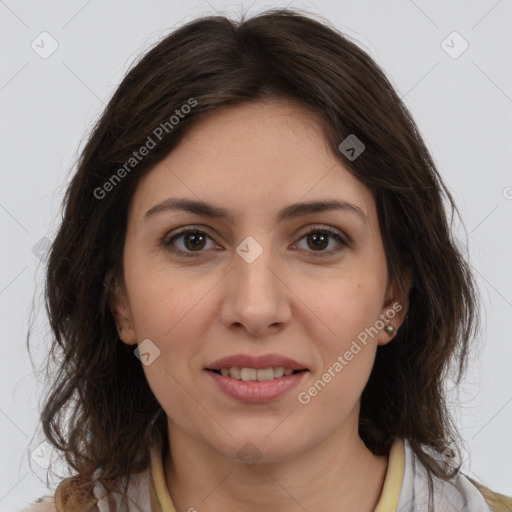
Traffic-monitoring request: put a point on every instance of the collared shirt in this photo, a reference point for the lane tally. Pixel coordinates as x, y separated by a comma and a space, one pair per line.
405, 489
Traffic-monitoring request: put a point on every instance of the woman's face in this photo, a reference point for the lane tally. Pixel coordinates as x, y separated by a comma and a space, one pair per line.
255, 283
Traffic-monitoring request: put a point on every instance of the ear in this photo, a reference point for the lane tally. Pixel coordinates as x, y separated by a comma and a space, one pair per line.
121, 311
396, 305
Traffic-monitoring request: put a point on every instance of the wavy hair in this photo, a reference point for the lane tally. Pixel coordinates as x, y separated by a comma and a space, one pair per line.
100, 412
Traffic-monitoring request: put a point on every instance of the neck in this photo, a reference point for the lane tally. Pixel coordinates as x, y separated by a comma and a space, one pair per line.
338, 474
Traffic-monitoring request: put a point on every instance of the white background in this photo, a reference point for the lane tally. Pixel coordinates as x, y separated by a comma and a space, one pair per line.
463, 107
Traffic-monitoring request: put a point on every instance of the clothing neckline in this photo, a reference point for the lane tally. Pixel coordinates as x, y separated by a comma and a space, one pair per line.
388, 500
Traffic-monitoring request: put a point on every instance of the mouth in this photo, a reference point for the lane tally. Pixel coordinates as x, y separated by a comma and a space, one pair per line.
250, 367
251, 385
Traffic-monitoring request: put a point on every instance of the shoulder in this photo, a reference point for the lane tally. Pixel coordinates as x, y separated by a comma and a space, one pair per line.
73, 494
496, 501
43, 504
70, 495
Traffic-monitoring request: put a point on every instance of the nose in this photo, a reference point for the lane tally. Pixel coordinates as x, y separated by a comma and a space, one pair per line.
256, 297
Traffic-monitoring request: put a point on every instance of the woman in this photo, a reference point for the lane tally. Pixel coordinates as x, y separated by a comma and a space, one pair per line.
254, 285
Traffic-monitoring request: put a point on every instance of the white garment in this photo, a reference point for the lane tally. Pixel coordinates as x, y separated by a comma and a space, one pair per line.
138, 494
460, 495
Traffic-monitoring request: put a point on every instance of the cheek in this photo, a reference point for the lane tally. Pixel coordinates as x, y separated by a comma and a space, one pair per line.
345, 336
174, 317
346, 346
349, 304
165, 300
175, 320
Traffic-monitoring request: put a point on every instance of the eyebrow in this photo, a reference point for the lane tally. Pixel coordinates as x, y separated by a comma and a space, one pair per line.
289, 212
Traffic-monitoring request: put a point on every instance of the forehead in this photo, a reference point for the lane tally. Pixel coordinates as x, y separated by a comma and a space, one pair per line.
251, 157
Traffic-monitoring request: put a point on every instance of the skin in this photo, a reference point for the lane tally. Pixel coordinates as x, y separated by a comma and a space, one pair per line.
255, 159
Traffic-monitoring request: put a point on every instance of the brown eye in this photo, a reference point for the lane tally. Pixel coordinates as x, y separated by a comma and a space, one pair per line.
193, 241
318, 240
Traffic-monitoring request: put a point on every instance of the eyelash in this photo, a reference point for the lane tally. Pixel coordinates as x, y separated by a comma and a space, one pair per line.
317, 254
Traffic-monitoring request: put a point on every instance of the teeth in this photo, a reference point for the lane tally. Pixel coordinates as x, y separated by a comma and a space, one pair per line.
252, 374
248, 374
278, 372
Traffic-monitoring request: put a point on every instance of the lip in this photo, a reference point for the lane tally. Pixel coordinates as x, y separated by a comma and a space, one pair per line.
255, 391
257, 362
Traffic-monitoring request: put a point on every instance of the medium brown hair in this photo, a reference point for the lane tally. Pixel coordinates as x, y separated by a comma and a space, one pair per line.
100, 411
